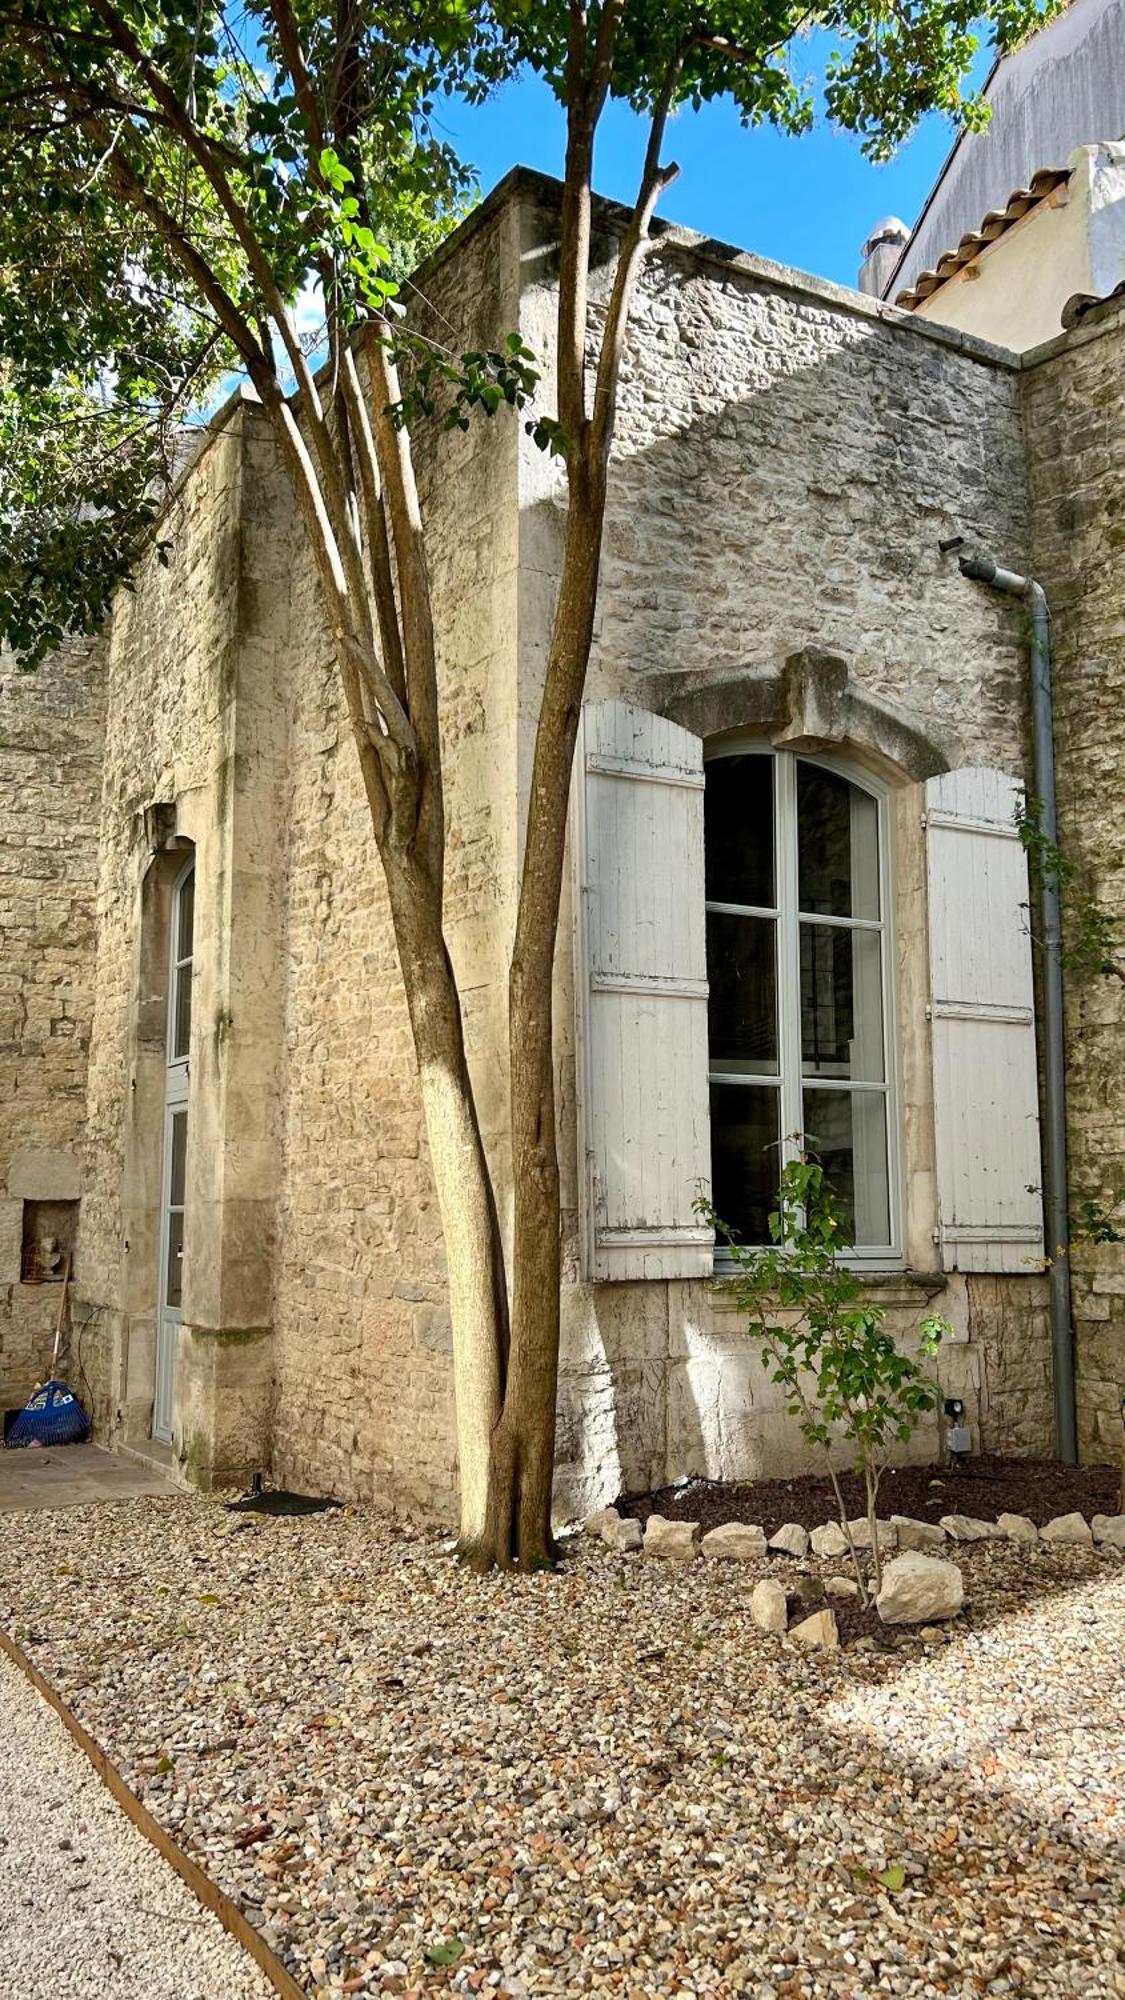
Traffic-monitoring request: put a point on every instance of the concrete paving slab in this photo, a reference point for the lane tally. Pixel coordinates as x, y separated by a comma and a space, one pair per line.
73, 1475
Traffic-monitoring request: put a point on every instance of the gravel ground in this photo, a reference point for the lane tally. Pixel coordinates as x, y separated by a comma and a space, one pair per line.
89, 1908
604, 1780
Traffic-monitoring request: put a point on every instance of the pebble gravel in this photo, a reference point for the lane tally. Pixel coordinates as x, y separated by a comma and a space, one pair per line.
603, 1780
87, 1907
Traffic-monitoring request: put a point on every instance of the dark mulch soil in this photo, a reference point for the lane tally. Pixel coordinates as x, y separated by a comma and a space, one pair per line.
983, 1486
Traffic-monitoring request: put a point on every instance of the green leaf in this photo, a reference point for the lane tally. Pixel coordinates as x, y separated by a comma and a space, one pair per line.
446, 1953
892, 1878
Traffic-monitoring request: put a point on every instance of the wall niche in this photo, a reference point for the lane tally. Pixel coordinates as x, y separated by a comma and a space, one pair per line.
50, 1229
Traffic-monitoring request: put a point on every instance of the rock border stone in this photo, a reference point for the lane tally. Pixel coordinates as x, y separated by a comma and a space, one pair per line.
744, 1541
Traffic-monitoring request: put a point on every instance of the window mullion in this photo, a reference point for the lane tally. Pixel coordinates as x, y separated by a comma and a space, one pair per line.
788, 956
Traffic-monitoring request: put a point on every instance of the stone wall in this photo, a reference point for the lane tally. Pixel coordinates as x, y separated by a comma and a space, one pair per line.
1074, 401
788, 458
50, 775
195, 746
364, 1373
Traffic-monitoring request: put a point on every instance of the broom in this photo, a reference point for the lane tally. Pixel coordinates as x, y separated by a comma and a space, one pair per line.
54, 1414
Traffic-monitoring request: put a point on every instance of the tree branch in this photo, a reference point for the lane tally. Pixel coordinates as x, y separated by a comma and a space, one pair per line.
289, 37
375, 521
417, 626
203, 152
574, 235
630, 255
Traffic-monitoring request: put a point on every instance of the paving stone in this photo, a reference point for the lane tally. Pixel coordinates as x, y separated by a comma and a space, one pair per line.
624, 1537
830, 1540
964, 1528
768, 1605
1018, 1527
860, 1531
818, 1630
923, 1535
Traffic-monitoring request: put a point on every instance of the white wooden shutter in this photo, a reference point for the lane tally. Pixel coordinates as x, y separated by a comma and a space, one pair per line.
641, 980
986, 1098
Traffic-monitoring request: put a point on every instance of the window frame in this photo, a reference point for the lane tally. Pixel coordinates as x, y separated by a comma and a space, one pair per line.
177, 967
788, 1080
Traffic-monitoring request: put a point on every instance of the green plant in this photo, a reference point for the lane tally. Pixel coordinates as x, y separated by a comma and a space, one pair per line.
1093, 943
1099, 1221
826, 1343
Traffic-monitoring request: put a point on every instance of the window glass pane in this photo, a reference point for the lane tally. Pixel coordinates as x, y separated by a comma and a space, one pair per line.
179, 1157
174, 1292
742, 1010
837, 846
847, 1130
181, 1013
745, 1158
842, 1003
186, 917
739, 830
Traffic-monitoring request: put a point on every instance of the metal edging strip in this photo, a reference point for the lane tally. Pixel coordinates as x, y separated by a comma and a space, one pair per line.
205, 1891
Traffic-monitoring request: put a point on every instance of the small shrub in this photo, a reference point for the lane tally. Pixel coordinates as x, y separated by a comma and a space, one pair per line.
825, 1343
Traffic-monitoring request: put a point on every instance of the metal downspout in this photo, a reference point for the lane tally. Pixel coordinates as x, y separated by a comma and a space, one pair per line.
1056, 1204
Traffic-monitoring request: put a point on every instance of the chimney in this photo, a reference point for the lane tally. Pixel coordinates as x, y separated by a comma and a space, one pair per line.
881, 253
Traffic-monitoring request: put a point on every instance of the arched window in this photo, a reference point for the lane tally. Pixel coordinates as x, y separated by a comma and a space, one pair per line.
800, 1009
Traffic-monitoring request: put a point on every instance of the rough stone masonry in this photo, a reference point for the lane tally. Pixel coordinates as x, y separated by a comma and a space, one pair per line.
788, 459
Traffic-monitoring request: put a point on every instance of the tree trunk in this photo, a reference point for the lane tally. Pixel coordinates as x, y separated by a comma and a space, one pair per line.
871, 1480
523, 1446
466, 1200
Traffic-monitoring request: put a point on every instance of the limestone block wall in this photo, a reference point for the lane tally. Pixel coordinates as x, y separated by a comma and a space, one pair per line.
195, 744
1074, 403
50, 779
787, 460
170, 646
364, 1373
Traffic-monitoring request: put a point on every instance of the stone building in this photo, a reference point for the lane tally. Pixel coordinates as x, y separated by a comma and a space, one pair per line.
804, 743
1035, 266
1063, 87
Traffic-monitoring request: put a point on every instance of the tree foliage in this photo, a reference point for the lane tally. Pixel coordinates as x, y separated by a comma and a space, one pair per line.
325, 123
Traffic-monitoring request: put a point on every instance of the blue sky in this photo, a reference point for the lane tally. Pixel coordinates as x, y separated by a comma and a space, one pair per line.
809, 202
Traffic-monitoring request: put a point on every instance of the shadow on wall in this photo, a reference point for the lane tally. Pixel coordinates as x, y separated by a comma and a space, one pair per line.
782, 474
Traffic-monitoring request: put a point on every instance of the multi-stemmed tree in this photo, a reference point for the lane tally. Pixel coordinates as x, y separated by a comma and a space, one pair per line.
176, 174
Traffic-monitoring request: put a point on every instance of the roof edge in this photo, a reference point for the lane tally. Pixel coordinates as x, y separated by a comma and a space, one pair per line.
528, 183
1021, 203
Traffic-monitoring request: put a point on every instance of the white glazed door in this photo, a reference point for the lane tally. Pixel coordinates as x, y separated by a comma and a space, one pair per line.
174, 1176
171, 1269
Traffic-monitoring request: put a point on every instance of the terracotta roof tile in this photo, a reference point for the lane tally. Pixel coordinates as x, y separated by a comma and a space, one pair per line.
1020, 201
